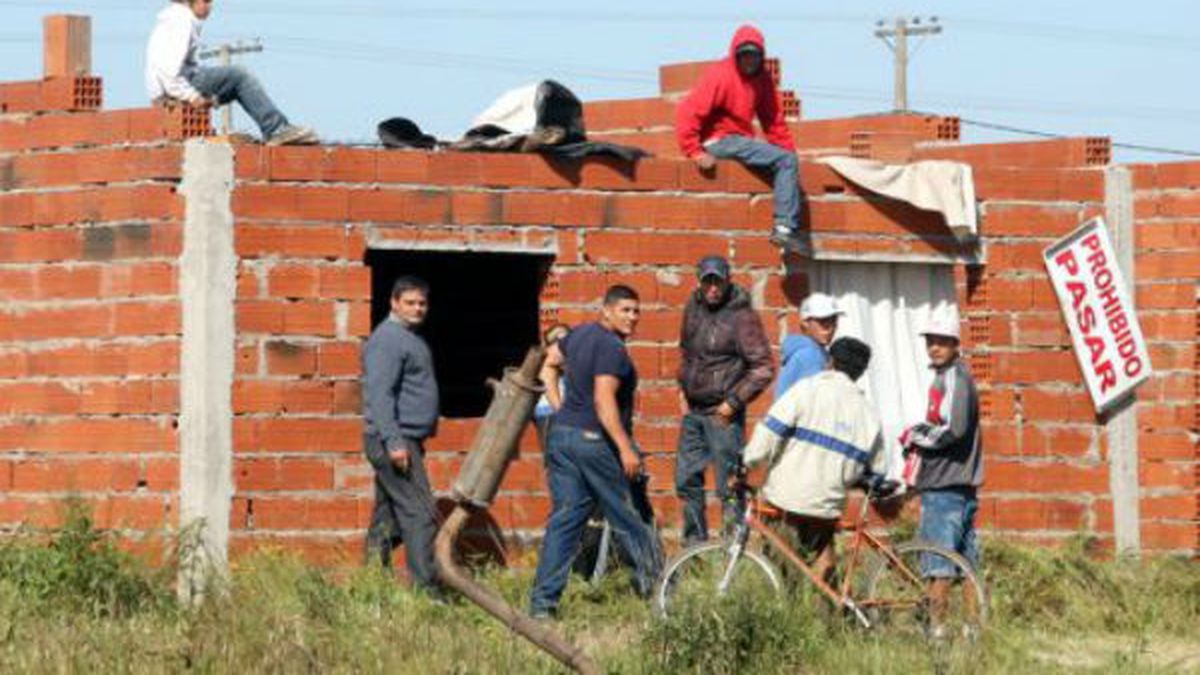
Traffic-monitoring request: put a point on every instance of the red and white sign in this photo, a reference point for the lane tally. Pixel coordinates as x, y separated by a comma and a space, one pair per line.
1095, 303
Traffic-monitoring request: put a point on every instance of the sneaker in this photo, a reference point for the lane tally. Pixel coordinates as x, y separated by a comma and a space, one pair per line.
543, 615
293, 135
782, 237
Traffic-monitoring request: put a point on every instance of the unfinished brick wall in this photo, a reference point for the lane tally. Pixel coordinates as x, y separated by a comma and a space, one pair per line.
1167, 211
90, 328
89, 316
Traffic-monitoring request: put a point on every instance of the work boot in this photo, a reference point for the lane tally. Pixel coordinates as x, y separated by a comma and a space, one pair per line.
291, 134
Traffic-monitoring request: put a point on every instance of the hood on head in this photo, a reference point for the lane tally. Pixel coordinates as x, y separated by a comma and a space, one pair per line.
744, 34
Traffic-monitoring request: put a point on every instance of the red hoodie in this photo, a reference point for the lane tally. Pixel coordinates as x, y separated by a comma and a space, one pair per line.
725, 102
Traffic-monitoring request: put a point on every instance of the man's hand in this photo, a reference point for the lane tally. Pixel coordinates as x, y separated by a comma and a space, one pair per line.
683, 404
400, 459
725, 413
631, 464
705, 161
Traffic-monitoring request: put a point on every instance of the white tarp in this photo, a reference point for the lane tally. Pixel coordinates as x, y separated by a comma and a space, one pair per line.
934, 185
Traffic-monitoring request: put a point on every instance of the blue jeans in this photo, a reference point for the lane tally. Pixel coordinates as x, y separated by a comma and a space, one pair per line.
702, 441
782, 163
948, 520
584, 473
234, 83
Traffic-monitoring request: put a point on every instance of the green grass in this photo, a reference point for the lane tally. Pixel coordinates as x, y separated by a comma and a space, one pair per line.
71, 601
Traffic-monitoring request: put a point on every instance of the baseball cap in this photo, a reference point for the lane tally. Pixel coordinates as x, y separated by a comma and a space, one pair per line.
712, 265
943, 322
819, 306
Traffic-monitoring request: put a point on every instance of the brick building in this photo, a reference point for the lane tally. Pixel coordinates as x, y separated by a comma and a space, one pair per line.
181, 318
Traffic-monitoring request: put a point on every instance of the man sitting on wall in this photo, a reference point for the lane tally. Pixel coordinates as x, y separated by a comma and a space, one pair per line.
716, 121
173, 75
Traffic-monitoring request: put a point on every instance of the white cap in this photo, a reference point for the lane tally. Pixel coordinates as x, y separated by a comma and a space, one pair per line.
819, 306
943, 321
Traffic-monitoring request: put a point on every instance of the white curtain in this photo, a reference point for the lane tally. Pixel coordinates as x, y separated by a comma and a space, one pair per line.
886, 304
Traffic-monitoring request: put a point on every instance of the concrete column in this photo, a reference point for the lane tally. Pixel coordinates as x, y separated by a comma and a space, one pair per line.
1121, 422
207, 287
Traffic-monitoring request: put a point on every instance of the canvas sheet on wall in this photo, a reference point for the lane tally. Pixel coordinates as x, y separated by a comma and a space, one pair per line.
886, 304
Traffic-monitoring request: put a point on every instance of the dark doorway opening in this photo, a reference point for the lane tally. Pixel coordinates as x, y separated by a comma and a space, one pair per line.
483, 314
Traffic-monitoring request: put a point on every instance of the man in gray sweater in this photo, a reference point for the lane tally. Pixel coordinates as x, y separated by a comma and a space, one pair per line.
400, 404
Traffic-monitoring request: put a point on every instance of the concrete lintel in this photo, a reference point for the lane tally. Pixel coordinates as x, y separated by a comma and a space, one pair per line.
207, 287
1121, 422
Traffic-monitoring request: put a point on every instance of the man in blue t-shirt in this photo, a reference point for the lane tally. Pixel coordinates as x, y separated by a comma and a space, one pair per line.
805, 354
590, 458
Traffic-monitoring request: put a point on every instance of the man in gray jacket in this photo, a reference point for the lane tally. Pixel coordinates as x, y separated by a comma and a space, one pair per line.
400, 404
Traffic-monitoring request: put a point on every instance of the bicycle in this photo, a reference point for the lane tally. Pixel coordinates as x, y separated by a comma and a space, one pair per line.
893, 590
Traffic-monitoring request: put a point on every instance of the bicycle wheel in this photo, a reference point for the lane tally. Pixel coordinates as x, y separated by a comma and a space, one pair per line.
900, 593
702, 573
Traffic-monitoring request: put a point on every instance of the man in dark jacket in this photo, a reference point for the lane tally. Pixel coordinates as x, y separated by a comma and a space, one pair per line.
726, 365
400, 404
716, 121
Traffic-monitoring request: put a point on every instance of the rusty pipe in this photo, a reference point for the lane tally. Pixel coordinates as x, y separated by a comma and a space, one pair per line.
457, 578
479, 479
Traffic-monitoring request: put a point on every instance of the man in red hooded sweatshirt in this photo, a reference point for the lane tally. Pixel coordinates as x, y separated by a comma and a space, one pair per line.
716, 120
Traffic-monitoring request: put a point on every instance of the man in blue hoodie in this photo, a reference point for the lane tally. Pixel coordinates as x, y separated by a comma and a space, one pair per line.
805, 354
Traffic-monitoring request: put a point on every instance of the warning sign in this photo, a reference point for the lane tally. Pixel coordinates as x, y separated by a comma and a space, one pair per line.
1095, 303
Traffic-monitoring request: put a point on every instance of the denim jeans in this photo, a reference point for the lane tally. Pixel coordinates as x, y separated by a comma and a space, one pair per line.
404, 512
234, 83
584, 472
948, 520
782, 163
704, 440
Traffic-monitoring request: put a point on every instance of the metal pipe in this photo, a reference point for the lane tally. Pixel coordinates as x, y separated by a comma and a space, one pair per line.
455, 577
478, 481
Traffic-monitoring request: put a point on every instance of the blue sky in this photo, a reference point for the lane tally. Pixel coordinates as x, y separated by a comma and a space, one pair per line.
1080, 68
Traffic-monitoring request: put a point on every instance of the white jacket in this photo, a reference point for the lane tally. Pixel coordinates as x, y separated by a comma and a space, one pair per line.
171, 53
819, 438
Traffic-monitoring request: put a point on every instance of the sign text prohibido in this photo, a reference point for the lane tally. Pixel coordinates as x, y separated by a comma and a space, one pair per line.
1095, 304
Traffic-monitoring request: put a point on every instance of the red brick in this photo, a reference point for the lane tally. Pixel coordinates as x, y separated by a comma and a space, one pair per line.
88, 435
75, 475
302, 435
351, 282
339, 359
1047, 477
668, 249
116, 360
38, 398
290, 358
300, 241
123, 397
148, 318
309, 317
294, 281
1057, 406
1182, 536
259, 316
403, 166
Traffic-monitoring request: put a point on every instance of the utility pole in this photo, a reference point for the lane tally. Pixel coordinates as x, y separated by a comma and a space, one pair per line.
225, 53
896, 38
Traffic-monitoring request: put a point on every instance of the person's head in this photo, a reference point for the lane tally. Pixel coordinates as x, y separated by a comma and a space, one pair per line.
819, 318
555, 333
749, 59
712, 272
850, 356
748, 50
410, 300
621, 310
201, 8
942, 338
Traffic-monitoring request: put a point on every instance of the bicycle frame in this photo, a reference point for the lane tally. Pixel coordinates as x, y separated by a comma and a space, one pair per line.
840, 597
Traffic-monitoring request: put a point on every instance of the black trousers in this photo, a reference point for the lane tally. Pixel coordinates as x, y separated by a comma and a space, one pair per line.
404, 511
